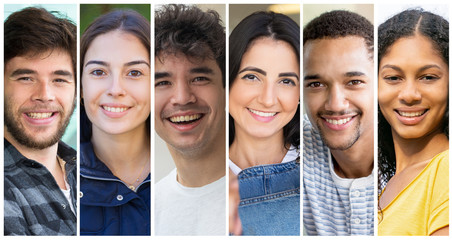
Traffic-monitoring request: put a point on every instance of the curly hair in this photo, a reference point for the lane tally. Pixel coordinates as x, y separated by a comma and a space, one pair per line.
264, 24
405, 24
189, 30
340, 23
35, 31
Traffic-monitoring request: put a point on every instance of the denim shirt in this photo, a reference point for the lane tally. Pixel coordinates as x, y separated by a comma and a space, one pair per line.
107, 205
270, 199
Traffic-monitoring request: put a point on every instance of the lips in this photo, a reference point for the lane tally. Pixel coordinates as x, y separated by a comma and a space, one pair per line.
261, 116
39, 115
114, 110
410, 116
183, 119
338, 123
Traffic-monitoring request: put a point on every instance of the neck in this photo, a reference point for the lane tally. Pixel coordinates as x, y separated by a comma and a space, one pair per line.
122, 152
412, 151
247, 151
356, 161
203, 166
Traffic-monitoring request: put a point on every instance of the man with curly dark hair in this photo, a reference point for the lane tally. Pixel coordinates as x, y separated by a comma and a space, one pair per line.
338, 128
190, 118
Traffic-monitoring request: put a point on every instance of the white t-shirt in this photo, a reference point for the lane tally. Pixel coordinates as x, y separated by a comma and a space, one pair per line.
181, 210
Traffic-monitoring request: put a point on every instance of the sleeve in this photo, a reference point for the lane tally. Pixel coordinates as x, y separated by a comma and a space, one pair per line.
15, 223
439, 207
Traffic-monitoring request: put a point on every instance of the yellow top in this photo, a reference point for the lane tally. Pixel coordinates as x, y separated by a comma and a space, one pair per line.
423, 206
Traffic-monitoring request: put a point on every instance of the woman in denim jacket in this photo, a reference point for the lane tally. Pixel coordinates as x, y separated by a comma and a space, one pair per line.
115, 139
264, 122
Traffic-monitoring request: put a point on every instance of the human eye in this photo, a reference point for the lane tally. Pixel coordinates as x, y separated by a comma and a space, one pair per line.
61, 80
288, 81
429, 78
392, 78
355, 82
162, 83
250, 77
98, 73
200, 80
314, 85
24, 78
134, 73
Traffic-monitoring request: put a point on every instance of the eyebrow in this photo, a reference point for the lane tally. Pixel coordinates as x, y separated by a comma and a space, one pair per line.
311, 77
159, 75
63, 73
254, 69
289, 74
97, 62
354, 74
22, 71
429, 66
137, 62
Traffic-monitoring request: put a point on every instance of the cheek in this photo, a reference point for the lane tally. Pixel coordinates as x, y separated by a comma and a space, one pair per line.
289, 100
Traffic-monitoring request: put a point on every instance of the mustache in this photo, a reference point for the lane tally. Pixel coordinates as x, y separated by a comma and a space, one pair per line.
43, 107
195, 108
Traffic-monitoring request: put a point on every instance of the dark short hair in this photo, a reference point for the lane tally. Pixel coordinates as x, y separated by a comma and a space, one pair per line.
191, 31
257, 25
340, 23
406, 24
128, 21
35, 31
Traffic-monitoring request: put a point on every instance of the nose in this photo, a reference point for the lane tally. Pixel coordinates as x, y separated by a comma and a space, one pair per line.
182, 95
43, 92
268, 97
337, 100
409, 94
115, 89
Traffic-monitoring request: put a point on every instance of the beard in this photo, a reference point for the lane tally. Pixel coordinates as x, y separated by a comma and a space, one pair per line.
345, 143
15, 127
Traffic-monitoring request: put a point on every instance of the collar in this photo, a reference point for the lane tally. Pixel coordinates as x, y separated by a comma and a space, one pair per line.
14, 157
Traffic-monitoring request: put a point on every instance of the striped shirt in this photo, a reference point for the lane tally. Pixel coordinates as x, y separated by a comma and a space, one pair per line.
34, 203
333, 205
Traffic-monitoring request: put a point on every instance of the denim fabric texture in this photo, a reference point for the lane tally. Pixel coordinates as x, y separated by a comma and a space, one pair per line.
270, 199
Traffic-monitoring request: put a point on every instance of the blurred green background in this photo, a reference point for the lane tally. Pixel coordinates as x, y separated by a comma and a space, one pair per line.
89, 12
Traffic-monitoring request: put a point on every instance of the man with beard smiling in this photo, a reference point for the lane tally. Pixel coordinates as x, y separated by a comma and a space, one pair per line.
338, 136
190, 118
40, 87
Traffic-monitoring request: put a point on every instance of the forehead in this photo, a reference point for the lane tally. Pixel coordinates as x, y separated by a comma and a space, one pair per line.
337, 56
42, 63
270, 53
416, 50
181, 64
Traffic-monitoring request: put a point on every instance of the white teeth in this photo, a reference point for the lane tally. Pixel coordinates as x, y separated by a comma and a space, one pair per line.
39, 115
338, 122
114, 109
411, 114
186, 118
262, 114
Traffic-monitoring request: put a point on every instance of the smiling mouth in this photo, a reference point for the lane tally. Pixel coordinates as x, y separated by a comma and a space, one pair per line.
411, 114
338, 121
40, 115
185, 119
115, 109
262, 114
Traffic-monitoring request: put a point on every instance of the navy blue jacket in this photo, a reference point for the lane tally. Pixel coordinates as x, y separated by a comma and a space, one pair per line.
107, 205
